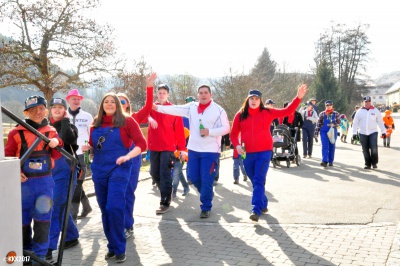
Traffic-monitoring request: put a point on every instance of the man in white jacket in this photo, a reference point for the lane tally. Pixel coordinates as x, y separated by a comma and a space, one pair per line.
208, 123
367, 119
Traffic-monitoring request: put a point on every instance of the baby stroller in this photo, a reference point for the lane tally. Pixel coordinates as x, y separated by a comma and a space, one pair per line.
284, 146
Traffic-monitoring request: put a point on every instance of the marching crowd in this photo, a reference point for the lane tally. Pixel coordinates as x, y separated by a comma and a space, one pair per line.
177, 134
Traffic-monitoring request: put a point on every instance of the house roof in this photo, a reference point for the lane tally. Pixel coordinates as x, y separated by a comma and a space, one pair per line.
394, 88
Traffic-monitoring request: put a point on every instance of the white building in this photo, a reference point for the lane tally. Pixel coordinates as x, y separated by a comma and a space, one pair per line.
393, 94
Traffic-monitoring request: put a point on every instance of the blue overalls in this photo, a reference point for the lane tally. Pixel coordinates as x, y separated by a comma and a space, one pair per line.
328, 149
37, 195
130, 191
110, 183
61, 174
308, 135
202, 168
256, 165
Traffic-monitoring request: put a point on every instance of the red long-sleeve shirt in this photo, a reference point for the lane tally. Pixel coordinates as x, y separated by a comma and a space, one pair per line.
169, 135
130, 132
142, 115
255, 129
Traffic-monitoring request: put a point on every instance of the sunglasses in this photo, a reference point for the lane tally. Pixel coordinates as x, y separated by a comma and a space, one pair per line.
101, 140
123, 102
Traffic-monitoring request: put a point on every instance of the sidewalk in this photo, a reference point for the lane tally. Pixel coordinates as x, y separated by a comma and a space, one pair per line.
336, 216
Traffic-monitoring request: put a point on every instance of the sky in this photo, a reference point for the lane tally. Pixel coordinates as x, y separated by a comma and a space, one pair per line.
208, 38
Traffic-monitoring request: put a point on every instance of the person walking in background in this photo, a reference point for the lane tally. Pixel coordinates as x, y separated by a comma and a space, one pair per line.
389, 125
252, 124
295, 122
344, 127
208, 123
82, 120
366, 120
327, 120
177, 172
165, 135
111, 140
310, 118
269, 104
238, 163
36, 182
225, 144
61, 172
140, 117
356, 108
313, 102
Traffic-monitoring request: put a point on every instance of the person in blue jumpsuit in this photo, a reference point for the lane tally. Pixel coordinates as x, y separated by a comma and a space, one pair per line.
61, 172
111, 139
327, 119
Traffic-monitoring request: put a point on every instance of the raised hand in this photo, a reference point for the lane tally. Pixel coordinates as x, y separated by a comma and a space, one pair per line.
150, 79
302, 91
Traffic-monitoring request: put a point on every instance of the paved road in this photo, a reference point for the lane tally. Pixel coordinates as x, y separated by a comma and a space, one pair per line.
341, 215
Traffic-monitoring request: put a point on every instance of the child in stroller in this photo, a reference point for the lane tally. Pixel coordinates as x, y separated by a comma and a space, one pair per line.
282, 138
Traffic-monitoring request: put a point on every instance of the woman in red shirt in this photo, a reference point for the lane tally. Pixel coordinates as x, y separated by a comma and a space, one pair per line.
253, 122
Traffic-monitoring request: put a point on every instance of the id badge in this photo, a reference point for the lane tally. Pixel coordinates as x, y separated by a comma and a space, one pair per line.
35, 165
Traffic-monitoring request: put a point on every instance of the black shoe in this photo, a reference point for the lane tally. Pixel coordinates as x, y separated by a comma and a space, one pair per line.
245, 178
324, 164
330, 164
236, 182
120, 258
71, 243
254, 217
374, 166
388, 146
109, 255
367, 167
49, 254
85, 213
204, 214
265, 210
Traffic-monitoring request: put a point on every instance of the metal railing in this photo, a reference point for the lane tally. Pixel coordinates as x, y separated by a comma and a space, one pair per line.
41, 137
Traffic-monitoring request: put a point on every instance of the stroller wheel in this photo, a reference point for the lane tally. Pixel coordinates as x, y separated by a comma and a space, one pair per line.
298, 160
288, 163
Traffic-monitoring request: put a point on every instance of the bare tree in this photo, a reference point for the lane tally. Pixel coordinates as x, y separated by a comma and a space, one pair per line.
48, 34
346, 50
181, 87
133, 84
231, 91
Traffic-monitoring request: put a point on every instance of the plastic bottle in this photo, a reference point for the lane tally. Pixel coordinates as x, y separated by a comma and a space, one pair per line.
87, 154
244, 151
201, 126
